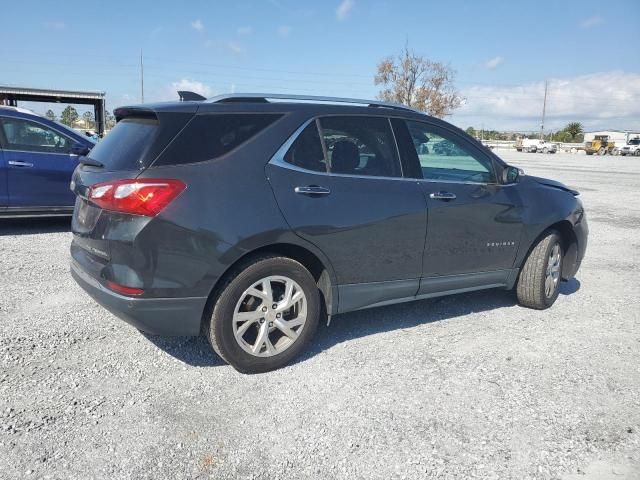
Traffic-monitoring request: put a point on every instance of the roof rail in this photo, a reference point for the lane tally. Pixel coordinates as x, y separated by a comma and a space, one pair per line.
264, 98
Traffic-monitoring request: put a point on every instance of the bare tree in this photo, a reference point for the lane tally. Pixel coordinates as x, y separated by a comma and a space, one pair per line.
418, 82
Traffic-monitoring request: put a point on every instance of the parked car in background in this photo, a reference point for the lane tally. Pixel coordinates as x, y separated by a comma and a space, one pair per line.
250, 219
533, 145
37, 158
631, 148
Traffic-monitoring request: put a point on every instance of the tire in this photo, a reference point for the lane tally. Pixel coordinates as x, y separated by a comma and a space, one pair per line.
532, 281
233, 298
636, 153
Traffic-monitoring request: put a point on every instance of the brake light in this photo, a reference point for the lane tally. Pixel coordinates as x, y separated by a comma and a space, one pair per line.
142, 196
116, 287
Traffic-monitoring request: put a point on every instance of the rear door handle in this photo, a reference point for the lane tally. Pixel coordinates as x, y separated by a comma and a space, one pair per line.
442, 196
20, 163
312, 190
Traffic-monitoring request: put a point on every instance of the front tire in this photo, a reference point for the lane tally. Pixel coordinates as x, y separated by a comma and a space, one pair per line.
265, 314
539, 281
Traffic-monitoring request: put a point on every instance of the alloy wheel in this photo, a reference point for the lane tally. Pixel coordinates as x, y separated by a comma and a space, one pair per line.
270, 316
553, 271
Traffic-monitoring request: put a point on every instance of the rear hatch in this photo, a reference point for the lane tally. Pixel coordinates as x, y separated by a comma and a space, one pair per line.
140, 135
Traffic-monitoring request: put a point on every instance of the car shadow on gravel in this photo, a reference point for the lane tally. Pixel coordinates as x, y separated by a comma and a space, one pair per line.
34, 226
196, 351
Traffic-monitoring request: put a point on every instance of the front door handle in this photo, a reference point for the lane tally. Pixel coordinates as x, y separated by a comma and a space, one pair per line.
20, 163
442, 196
312, 190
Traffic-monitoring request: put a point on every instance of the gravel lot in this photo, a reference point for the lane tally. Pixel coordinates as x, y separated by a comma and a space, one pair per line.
470, 386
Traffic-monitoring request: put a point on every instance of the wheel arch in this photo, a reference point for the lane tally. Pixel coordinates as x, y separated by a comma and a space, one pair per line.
319, 268
569, 246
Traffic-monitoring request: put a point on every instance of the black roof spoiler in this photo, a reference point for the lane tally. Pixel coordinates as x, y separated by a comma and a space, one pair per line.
187, 96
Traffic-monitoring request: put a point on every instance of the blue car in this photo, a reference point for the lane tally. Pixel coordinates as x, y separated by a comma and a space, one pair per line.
37, 159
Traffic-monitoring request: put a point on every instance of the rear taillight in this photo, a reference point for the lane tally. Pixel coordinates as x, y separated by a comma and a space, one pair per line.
142, 196
116, 287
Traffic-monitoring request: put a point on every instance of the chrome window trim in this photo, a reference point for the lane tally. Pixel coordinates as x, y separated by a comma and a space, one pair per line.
73, 155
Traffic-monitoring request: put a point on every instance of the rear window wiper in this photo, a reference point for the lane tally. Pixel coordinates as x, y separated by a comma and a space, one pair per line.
90, 161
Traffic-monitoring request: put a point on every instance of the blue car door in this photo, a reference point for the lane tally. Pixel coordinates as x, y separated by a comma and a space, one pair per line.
4, 196
39, 164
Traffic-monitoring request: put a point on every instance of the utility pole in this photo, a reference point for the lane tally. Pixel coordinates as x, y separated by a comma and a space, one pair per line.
544, 109
141, 78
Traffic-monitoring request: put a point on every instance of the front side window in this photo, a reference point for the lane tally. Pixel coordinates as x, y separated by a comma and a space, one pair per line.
29, 136
357, 145
445, 157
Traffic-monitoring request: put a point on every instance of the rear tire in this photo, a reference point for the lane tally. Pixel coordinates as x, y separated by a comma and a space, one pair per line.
539, 281
258, 291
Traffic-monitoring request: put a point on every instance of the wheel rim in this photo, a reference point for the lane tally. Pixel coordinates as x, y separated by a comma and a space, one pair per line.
553, 271
270, 316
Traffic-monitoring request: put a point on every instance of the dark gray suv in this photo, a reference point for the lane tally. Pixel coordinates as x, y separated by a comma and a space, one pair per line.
250, 217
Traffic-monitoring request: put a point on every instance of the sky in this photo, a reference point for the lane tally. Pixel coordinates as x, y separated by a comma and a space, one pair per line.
502, 52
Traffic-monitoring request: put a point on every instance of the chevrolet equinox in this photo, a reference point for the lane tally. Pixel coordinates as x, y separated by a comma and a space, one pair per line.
249, 217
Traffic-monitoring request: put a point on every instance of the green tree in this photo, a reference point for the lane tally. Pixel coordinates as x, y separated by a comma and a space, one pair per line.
69, 116
87, 117
471, 131
574, 129
50, 115
109, 120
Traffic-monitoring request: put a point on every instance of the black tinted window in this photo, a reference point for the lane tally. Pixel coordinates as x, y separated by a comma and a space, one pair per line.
210, 136
29, 136
359, 145
445, 156
124, 147
306, 152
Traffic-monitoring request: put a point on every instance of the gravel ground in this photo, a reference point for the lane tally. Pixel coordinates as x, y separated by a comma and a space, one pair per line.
470, 386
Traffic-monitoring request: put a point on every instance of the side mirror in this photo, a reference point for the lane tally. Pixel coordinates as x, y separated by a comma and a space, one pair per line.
79, 149
511, 174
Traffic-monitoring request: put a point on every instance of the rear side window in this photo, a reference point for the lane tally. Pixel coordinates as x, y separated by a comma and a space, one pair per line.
359, 145
124, 147
306, 152
210, 136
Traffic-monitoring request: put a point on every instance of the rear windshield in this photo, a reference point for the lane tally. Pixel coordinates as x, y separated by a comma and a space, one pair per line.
210, 136
124, 147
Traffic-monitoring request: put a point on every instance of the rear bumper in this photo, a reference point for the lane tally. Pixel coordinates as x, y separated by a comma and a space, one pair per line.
157, 316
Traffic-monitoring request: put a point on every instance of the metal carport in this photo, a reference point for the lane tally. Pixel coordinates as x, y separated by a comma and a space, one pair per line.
11, 95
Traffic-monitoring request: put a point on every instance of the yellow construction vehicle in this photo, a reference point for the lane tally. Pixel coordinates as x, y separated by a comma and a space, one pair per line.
600, 145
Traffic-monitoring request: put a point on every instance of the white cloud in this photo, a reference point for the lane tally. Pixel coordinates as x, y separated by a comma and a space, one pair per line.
197, 25
343, 10
494, 62
607, 100
235, 47
55, 25
170, 92
284, 30
592, 21
245, 30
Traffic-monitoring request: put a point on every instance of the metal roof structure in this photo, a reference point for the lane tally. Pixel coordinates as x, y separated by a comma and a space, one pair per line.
10, 95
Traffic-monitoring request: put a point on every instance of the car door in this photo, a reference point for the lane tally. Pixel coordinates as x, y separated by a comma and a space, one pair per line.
39, 164
4, 197
339, 184
475, 223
